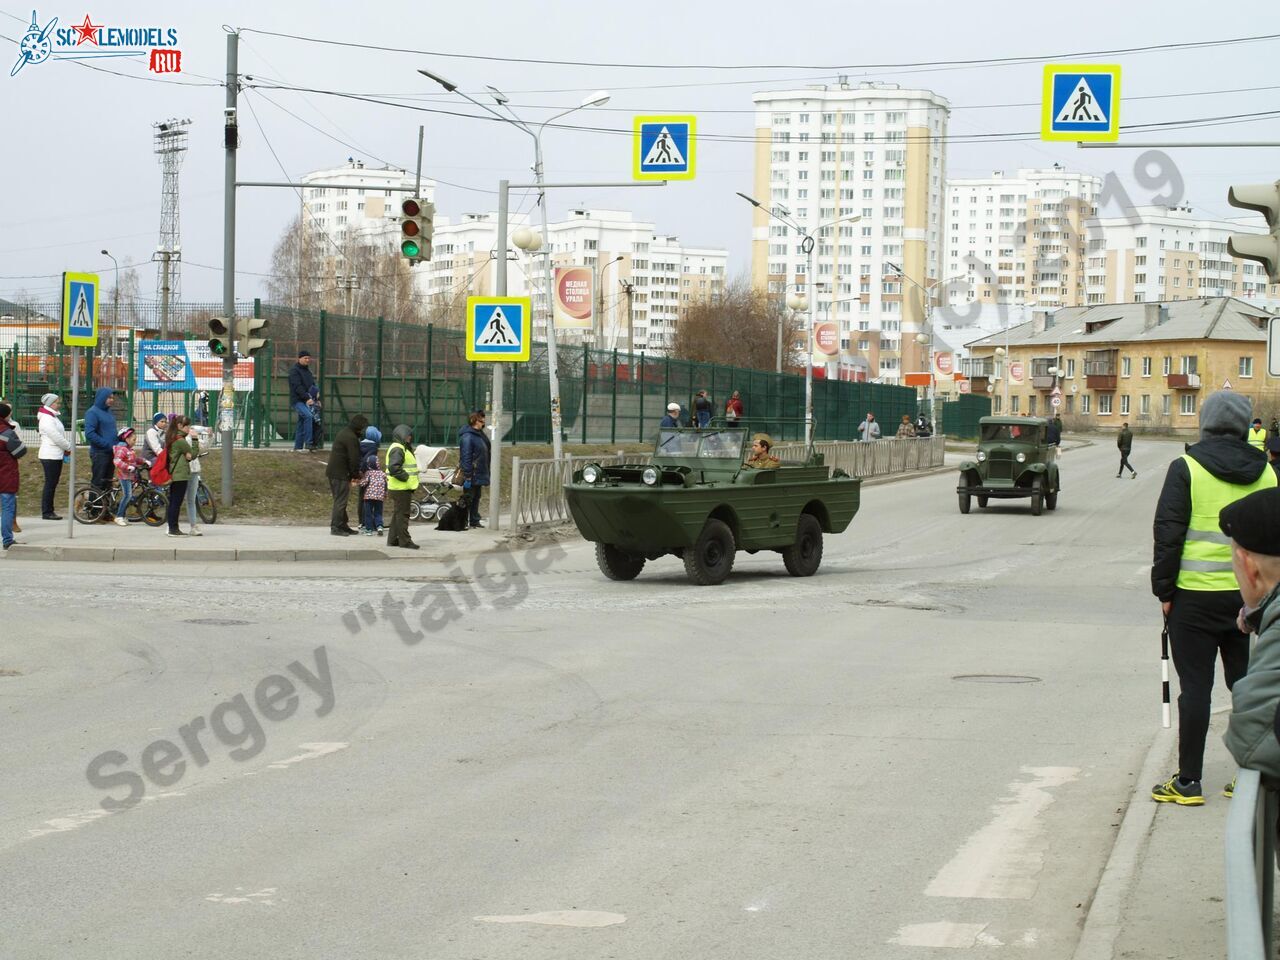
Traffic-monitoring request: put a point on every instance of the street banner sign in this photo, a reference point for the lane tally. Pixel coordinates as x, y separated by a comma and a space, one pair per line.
1081, 102
186, 365
944, 365
826, 343
1273, 347
1017, 371
575, 298
80, 309
499, 328
664, 147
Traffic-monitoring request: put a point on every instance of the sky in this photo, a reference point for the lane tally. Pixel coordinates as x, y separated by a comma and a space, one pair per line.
77, 172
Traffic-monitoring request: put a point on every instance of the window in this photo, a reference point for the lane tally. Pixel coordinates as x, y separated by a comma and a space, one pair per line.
1084, 404
1126, 368
1124, 405
1164, 405
1104, 404
1168, 368
1014, 403
1031, 405
1141, 242
1187, 364
1146, 366
1246, 366
1187, 404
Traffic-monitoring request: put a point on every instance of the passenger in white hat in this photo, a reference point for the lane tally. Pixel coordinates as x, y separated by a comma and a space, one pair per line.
672, 419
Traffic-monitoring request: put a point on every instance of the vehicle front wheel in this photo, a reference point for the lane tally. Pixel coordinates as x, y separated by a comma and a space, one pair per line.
1037, 497
88, 506
617, 564
982, 502
153, 505
1051, 500
964, 502
710, 559
804, 556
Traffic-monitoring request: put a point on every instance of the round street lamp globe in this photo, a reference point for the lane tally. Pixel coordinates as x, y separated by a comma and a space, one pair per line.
526, 239
797, 301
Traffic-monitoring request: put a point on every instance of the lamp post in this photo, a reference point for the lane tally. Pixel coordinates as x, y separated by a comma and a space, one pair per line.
1058, 371
115, 302
600, 297
926, 336
802, 302
597, 99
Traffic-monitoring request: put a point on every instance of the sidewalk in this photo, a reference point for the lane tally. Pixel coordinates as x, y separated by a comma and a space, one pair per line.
47, 540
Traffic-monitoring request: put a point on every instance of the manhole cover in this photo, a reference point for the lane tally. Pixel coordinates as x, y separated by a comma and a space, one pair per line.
995, 678
217, 622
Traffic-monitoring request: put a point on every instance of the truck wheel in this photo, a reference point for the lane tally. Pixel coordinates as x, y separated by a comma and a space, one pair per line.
616, 564
710, 559
982, 502
1037, 497
964, 503
1051, 500
803, 557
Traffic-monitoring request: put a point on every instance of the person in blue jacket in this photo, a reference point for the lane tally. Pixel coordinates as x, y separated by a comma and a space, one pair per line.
100, 432
473, 462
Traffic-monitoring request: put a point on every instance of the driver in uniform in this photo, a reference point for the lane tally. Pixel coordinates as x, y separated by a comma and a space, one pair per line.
761, 458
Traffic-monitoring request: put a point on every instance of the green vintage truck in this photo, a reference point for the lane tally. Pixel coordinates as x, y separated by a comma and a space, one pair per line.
1014, 459
696, 499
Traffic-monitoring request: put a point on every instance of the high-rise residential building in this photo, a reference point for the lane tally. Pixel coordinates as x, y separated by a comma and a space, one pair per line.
1020, 238
364, 208
643, 280
872, 151
1158, 253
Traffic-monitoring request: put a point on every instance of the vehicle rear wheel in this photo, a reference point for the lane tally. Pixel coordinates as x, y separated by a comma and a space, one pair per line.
1051, 500
153, 505
1037, 497
982, 502
804, 556
964, 502
618, 564
89, 505
206, 506
710, 559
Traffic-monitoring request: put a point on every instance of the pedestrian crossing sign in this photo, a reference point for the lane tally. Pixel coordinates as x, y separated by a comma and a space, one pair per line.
498, 328
664, 148
1081, 102
80, 309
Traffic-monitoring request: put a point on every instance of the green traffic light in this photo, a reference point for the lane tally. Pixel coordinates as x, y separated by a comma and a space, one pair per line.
411, 248
218, 348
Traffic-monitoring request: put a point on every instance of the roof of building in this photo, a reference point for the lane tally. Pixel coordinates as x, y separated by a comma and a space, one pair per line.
1204, 318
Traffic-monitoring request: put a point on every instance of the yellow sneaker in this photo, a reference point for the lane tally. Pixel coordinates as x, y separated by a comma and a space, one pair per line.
1175, 790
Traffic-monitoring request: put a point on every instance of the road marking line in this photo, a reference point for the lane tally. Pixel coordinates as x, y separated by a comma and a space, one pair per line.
77, 820
562, 918
1003, 860
313, 750
943, 933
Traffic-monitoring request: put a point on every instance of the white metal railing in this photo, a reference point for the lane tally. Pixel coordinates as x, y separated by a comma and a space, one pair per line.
1251, 853
537, 486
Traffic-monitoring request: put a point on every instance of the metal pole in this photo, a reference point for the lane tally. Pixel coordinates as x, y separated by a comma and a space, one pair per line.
75, 407
227, 402
417, 180
808, 363
553, 377
164, 296
499, 372
781, 320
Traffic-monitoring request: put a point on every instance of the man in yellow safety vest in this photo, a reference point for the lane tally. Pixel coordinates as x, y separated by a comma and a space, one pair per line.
402, 480
1258, 434
1191, 574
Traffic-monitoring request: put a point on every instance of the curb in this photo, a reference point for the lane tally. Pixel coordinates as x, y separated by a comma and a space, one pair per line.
1102, 923
187, 555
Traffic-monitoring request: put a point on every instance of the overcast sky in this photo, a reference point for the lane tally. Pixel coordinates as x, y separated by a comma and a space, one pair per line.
77, 171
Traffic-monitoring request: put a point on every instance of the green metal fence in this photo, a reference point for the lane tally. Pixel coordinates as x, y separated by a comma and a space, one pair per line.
419, 375
960, 416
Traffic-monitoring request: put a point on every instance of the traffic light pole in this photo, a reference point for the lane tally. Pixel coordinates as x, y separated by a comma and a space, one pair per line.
227, 400
499, 369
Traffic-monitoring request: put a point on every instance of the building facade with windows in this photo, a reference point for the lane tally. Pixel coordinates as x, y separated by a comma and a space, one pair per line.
365, 207
1020, 238
1158, 253
1150, 364
869, 150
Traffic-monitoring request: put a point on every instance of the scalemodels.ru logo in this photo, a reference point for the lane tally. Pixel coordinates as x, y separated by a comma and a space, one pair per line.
93, 41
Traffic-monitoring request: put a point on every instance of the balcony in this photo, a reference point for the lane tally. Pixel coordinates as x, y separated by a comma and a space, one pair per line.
973, 367
1184, 381
1105, 382
1043, 383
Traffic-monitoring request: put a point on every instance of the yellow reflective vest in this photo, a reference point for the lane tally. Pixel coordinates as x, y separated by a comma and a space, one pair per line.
410, 467
1206, 553
1258, 438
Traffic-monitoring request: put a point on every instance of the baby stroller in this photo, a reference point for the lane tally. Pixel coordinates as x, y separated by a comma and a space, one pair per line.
435, 482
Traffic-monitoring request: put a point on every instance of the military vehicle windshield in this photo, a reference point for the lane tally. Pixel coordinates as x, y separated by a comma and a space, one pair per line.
722, 445
1005, 432
706, 444
674, 443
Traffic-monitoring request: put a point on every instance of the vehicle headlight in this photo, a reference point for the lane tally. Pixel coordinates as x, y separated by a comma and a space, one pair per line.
650, 476
981, 456
591, 473
1021, 458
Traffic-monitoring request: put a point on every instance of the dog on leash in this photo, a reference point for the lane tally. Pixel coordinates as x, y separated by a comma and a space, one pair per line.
453, 516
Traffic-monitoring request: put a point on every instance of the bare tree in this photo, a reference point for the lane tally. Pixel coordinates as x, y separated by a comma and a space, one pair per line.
737, 327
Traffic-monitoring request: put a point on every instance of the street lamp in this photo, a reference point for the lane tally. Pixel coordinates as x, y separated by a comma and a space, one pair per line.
1001, 357
597, 99
926, 336
115, 301
600, 294
798, 301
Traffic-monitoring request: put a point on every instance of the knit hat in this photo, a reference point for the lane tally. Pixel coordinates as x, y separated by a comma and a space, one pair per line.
303, 353
1225, 413
159, 418
48, 398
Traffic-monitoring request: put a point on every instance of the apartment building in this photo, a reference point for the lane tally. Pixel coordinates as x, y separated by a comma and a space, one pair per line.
1020, 238
643, 280
1158, 253
872, 151
1148, 363
364, 207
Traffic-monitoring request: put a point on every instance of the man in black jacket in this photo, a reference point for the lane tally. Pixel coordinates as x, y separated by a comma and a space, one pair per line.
1124, 443
1192, 577
344, 472
301, 381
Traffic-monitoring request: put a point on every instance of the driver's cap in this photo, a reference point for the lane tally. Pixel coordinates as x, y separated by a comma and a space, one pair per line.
673, 406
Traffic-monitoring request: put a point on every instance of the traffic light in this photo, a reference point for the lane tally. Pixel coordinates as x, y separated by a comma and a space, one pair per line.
253, 336
1265, 199
417, 223
220, 336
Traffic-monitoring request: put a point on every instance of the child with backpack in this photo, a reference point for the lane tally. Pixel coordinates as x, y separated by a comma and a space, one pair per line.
11, 450
126, 462
373, 483
174, 465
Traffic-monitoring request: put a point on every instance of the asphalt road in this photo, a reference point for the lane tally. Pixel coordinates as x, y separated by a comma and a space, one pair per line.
926, 747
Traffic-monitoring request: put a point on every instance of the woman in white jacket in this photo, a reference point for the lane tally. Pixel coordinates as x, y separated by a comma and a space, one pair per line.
54, 449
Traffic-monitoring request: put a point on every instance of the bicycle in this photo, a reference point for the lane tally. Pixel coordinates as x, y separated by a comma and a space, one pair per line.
147, 504
206, 504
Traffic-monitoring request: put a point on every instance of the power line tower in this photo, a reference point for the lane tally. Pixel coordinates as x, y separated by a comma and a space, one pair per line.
170, 147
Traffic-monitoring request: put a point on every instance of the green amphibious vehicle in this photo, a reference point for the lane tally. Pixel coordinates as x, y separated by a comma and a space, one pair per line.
1014, 459
699, 500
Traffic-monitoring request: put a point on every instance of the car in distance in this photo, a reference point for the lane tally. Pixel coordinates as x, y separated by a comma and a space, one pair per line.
1014, 459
